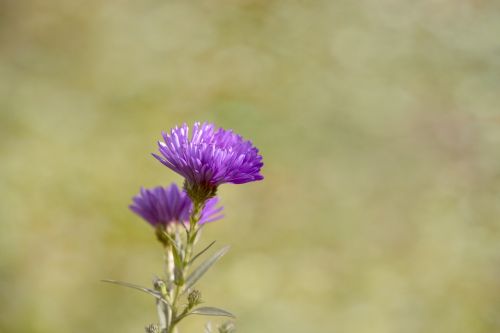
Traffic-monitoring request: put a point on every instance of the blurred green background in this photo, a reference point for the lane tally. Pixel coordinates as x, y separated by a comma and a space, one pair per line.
379, 125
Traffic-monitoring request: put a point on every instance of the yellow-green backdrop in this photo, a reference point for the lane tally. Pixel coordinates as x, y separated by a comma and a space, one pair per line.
379, 125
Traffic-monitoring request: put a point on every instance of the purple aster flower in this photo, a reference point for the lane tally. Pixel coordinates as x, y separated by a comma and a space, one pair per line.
208, 158
161, 206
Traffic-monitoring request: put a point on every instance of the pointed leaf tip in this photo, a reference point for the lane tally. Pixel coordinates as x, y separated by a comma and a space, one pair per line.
212, 311
152, 292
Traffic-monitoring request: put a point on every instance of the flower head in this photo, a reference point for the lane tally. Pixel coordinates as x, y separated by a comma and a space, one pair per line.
161, 206
208, 158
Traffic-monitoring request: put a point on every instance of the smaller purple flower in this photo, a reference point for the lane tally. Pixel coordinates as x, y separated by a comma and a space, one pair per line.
161, 206
208, 158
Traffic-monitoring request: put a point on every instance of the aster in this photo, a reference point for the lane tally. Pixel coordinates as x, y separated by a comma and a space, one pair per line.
162, 206
208, 158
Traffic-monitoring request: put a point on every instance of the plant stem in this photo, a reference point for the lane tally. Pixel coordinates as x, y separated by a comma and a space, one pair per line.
170, 268
174, 289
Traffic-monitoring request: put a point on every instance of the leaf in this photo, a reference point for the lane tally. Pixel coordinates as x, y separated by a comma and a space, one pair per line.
201, 252
178, 276
177, 256
211, 311
152, 292
133, 286
203, 268
172, 241
185, 227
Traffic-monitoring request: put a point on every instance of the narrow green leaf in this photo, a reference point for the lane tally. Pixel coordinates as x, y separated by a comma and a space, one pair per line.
211, 311
201, 252
152, 292
203, 268
172, 241
178, 277
133, 286
177, 256
185, 227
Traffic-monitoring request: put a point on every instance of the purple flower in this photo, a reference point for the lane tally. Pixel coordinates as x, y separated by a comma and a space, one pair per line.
208, 158
161, 206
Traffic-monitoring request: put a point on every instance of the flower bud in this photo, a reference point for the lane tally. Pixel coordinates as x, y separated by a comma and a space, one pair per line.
227, 327
160, 286
153, 328
194, 298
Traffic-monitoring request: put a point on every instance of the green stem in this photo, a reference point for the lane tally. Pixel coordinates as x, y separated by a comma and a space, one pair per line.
170, 268
175, 291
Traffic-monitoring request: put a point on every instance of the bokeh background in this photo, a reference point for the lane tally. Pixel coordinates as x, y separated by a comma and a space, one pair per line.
379, 125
